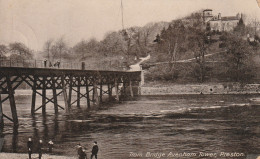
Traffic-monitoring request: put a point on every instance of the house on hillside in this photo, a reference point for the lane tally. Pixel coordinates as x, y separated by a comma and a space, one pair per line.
219, 23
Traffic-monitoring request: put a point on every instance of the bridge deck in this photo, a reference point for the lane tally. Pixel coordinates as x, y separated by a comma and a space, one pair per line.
12, 71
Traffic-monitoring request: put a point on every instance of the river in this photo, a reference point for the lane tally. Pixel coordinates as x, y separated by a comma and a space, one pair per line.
156, 124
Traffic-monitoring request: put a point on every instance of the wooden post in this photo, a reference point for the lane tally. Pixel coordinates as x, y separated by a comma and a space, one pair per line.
87, 92
116, 90
12, 101
101, 92
131, 89
54, 93
44, 95
33, 96
1, 115
109, 91
124, 88
95, 93
64, 91
70, 91
78, 92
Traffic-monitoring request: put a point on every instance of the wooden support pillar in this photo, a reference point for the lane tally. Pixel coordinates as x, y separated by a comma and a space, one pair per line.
95, 92
1, 115
87, 92
54, 93
64, 91
101, 92
109, 89
124, 88
78, 92
33, 96
131, 88
44, 95
116, 90
70, 91
12, 101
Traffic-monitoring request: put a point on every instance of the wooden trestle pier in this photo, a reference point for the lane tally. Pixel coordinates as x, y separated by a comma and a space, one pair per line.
62, 81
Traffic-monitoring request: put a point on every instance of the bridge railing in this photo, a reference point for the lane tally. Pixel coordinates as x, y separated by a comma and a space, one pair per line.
62, 65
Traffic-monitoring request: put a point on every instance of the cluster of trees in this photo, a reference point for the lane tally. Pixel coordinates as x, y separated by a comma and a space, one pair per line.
128, 44
16, 51
190, 38
56, 50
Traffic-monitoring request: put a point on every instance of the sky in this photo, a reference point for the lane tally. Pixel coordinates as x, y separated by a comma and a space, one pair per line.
33, 22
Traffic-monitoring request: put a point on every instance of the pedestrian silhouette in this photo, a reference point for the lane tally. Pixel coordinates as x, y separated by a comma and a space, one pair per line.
81, 153
50, 145
94, 150
45, 63
30, 146
40, 149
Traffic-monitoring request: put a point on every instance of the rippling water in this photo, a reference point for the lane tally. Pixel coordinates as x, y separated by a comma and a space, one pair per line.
189, 123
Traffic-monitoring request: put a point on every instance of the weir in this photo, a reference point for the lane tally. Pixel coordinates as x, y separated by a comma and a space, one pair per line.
62, 82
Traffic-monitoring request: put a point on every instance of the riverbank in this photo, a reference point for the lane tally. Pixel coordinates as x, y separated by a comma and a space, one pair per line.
215, 88
34, 156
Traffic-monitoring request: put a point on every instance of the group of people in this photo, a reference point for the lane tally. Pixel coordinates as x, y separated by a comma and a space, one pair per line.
57, 64
82, 151
39, 148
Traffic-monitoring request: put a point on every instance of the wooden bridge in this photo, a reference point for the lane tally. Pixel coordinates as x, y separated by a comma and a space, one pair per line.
62, 81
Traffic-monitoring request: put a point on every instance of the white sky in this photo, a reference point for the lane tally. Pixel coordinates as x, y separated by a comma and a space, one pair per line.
35, 21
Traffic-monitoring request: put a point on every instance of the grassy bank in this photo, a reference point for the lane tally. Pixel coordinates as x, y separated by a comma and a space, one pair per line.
34, 156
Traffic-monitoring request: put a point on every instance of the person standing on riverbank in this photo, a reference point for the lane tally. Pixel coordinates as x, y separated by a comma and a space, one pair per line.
29, 146
94, 150
81, 152
50, 145
40, 149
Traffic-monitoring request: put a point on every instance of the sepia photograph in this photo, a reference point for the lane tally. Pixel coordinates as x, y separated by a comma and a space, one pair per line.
129, 79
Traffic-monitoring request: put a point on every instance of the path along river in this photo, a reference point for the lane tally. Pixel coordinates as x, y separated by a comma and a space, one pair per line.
181, 123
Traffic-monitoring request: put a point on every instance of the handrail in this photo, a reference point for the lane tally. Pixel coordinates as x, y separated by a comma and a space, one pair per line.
62, 65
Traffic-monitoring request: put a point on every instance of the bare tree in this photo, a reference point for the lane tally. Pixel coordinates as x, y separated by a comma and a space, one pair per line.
47, 48
59, 49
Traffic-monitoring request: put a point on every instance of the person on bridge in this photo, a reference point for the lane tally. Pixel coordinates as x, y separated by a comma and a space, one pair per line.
50, 65
58, 64
94, 150
45, 63
30, 146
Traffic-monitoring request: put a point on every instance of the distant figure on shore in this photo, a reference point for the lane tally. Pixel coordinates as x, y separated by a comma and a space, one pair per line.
50, 145
40, 149
45, 63
30, 146
94, 150
50, 65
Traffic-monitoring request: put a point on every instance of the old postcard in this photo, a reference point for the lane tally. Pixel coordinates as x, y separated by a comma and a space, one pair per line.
130, 79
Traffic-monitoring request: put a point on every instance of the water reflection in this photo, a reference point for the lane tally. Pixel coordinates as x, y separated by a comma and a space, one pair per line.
15, 139
56, 126
35, 129
45, 128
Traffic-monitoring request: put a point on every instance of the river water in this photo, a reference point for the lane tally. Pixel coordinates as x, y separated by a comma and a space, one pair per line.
157, 124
